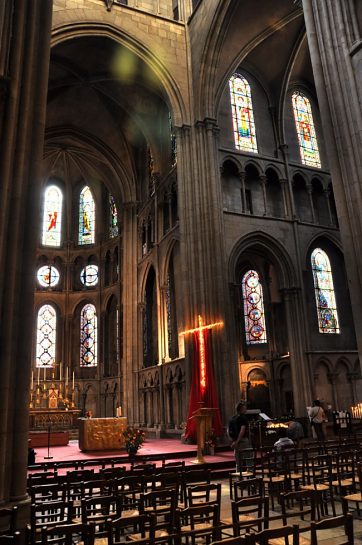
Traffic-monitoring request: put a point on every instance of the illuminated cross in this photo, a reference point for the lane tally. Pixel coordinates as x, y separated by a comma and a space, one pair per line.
202, 358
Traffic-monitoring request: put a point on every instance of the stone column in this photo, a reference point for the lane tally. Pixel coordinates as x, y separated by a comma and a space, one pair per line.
326, 194
263, 181
335, 47
310, 196
284, 186
22, 118
301, 379
242, 176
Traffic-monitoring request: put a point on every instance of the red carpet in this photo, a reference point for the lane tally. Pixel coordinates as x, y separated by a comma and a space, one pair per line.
172, 449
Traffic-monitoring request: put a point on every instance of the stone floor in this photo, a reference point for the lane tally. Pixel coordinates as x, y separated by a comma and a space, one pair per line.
329, 537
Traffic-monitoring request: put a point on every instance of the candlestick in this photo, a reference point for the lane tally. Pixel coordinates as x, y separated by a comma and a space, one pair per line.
73, 380
38, 376
44, 373
66, 375
60, 371
32, 380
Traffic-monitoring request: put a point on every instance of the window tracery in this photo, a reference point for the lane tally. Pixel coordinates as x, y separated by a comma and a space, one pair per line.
52, 216
88, 336
86, 217
242, 114
324, 292
254, 317
46, 336
308, 145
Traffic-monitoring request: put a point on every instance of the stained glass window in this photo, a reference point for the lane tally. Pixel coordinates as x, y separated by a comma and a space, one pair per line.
254, 317
52, 217
113, 217
88, 336
89, 275
48, 276
46, 336
242, 112
86, 217
324, 292
308, 145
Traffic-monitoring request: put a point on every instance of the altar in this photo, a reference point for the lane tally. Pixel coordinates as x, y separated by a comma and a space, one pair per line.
101, 433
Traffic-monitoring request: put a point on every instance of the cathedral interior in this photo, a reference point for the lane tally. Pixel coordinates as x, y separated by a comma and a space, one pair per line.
168, 159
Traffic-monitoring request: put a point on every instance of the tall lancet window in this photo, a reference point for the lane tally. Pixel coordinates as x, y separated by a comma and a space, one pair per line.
46, 336
324, 292
52, 217
242, 112
308, 145
252, 290
113, 217
87, 220
88, 336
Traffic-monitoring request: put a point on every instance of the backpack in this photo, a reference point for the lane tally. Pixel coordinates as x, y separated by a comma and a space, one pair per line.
233, 427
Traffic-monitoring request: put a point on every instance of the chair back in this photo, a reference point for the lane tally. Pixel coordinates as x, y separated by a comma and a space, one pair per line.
248, 487
270, 534
345, 522
249, 513
68, 534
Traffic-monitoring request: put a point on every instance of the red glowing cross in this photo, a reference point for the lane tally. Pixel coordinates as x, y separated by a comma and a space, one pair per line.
202, 358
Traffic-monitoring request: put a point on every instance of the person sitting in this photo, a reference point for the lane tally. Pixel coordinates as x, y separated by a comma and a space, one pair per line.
283, 443
31, 454
295, 432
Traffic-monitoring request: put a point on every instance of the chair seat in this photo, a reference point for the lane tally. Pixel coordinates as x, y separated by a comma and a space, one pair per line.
196, 526
343, 482
353, 497
282, 540
242, 474
318, 487
137, 537
296, 475
279, 479
130, 513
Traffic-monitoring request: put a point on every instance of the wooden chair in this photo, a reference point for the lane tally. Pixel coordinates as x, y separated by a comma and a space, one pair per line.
14, 539
248, 487
128, 491
276, 536
204, 494
247, 469
161, 504
274, 475
298, 504
68, 534
249, 513
191, 478
177, 465
79, 475
110, 473
198, 521
97, 511
356, 497
344, 475
8, 520
343, 521
47, 492
319, 479
49, 514
119, 529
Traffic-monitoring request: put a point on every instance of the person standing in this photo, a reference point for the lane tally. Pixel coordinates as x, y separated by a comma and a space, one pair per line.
317, 417
239, 433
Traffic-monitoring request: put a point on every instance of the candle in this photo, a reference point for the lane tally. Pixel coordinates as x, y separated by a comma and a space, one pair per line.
66, 375
73, 380
44, 373
38, 376
32, 380
60, 371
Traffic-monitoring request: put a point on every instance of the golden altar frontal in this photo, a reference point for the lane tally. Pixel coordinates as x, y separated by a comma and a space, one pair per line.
101, 433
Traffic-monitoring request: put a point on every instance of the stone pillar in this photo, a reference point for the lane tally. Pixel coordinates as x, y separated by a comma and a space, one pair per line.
22, 115
310, 196
326, 194
301, 379
242, 176
263, 181
335, 47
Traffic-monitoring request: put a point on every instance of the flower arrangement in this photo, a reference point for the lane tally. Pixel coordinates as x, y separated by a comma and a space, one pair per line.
134, 438
211, 439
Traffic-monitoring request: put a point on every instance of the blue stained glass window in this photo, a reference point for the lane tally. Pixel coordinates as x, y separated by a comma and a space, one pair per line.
324, 292
242, 113
255, 330
308, 145
86, 217
46, 336
52, 216
113, 217
88, 336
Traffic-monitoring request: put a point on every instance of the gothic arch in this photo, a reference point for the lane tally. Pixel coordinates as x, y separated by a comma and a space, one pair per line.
271, 248
318, 239
235, 161
77, 29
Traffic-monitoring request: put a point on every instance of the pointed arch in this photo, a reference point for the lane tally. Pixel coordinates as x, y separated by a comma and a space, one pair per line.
304, 123
87, 217
52, 216
113, 217
46, 332
324, 292
243, 114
